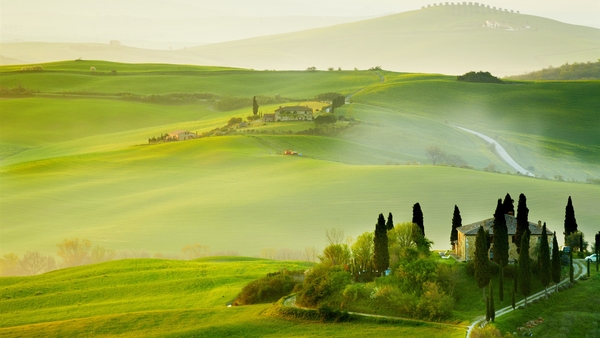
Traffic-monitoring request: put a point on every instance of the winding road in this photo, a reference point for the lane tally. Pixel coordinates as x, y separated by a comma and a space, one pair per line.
501, 152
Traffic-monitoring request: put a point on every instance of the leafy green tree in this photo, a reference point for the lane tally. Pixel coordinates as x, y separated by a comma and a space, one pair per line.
336, 254
508, 204
254, 106
522, 220
481, 260
380, 246
418, 217
456, 223
555, 262
524, 266
544, 261
570, 221
576, 241
500, 236
390, 222
362, 251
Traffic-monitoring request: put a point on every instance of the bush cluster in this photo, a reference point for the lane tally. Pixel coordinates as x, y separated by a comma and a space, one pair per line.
481, 77
267, 289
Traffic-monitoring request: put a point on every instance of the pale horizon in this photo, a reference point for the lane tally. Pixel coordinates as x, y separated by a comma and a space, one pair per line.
175, 24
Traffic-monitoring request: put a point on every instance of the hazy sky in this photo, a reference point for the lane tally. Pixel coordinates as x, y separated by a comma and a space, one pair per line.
189, 22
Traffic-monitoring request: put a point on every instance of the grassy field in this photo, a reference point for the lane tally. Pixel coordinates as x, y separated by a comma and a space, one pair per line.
152, 298
571, 313
80, 164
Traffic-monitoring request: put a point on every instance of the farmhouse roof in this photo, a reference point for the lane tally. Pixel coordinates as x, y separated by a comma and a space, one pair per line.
294, 108
177, 132
511, 225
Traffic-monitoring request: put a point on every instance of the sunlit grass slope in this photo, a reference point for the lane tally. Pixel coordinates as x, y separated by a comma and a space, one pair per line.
75, 76
150, 298
238, 193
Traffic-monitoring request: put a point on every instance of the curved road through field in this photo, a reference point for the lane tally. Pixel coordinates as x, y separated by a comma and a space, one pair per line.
501, 152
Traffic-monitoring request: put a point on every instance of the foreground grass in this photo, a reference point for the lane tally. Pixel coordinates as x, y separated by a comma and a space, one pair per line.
150, 298
571, 313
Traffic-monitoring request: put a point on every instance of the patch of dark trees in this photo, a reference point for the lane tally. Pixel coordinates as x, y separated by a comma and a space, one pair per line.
480, 77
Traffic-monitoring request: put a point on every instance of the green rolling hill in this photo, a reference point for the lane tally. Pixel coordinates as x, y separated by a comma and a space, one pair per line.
158, 298
75, 157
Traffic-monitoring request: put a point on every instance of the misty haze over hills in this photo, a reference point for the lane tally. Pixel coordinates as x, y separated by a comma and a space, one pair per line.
450, 39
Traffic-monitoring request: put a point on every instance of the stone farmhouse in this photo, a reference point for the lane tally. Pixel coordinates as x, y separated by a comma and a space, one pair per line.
182, 135
290, 113
464, 247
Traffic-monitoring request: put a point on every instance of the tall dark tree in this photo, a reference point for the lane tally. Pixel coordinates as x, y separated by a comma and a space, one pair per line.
515, 286
525, 267
544, 261
456, 223
555, 262
418, 217
571, 272
501, 286
254, 106
570, 221
381, 254
492, 308
508, 205
481, 260
500, 236
597, 247
390, 222
522, 220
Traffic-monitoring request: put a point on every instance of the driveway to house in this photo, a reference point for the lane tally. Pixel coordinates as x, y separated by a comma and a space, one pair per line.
501, 152
579, 269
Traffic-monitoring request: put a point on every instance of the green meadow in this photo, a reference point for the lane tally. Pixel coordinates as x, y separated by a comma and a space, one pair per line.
162, 298
75, 157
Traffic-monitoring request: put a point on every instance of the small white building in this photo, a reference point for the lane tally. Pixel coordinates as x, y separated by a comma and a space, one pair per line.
182, 135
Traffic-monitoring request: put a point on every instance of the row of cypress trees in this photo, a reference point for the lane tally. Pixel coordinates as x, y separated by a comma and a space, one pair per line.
549, 268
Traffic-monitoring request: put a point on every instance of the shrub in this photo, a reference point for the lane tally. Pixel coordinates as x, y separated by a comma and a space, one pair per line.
266, 289
394, 301
487, 331
329, 314
434, 302
324, 283
482, 77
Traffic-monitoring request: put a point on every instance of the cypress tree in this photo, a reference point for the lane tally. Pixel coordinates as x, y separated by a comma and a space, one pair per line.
515, 286
571, 266
544, 261
492, 308
555, 262
390, 222
524, 267
481, 260
501, 286
418, 218
254, 106
500, 236
508, 205
522, 220
597, 249
487, 308
456, 223
570, 221
381, 255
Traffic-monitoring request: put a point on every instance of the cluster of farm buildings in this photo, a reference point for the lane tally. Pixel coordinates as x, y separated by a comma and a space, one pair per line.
283, 113
464, 247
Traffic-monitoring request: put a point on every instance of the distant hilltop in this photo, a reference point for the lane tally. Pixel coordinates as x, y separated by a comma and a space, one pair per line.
469, 6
